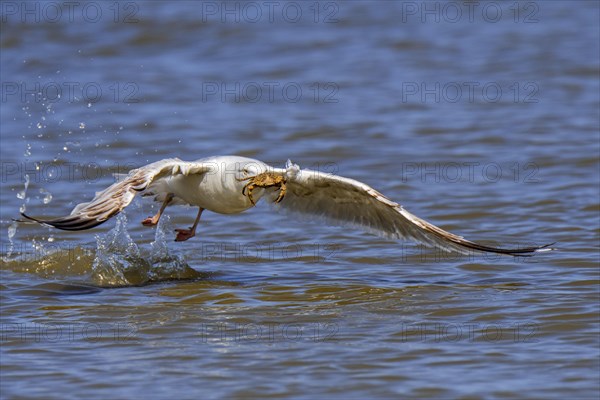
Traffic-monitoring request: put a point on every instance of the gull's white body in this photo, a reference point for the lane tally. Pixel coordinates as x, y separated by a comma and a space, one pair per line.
219, 189
217, 184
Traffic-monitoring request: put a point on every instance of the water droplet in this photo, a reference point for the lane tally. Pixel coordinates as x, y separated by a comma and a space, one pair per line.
12, 230
47, 196
21, 194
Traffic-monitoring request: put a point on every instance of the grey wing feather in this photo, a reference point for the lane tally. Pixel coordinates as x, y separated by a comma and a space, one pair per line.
119, 195
344, 201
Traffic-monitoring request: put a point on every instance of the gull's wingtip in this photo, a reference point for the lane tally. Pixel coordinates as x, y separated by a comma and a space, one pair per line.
22, 221
546, 247
531, 251
70, 222
30, 220
27, 217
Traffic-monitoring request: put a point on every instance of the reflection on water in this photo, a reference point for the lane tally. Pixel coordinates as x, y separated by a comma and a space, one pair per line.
488, 129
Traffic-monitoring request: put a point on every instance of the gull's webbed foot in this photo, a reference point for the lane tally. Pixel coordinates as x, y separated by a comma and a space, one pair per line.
184, 234
150, 221
264, 180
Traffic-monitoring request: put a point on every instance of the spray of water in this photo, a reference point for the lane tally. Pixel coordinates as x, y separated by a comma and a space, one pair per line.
120, 262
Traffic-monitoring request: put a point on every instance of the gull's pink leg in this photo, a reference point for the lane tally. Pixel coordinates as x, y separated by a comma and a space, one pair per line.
151, 221
185, 234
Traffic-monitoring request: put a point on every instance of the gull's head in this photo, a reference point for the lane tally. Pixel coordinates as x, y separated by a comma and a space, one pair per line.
251, 168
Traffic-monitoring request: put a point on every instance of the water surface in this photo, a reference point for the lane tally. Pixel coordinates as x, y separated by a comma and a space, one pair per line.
487, 128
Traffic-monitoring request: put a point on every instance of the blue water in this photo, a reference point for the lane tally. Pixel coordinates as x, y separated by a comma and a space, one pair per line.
483, 118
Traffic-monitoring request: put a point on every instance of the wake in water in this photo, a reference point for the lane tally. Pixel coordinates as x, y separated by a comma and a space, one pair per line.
115, 262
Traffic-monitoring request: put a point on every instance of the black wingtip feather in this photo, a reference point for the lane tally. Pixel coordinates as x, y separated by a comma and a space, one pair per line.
523, 252
68, 223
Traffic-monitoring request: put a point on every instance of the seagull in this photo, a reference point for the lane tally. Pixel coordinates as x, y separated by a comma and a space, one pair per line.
233, 184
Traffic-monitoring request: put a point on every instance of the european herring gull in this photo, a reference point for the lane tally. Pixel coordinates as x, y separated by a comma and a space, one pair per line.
232, 184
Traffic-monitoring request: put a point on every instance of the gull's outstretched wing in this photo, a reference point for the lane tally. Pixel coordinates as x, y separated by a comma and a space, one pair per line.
344, 201
113, 199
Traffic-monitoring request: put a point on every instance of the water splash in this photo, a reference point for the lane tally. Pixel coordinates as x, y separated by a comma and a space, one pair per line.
120, 262
115, 262
47, 196
21, 195
164, 263
116, 254
12, 230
